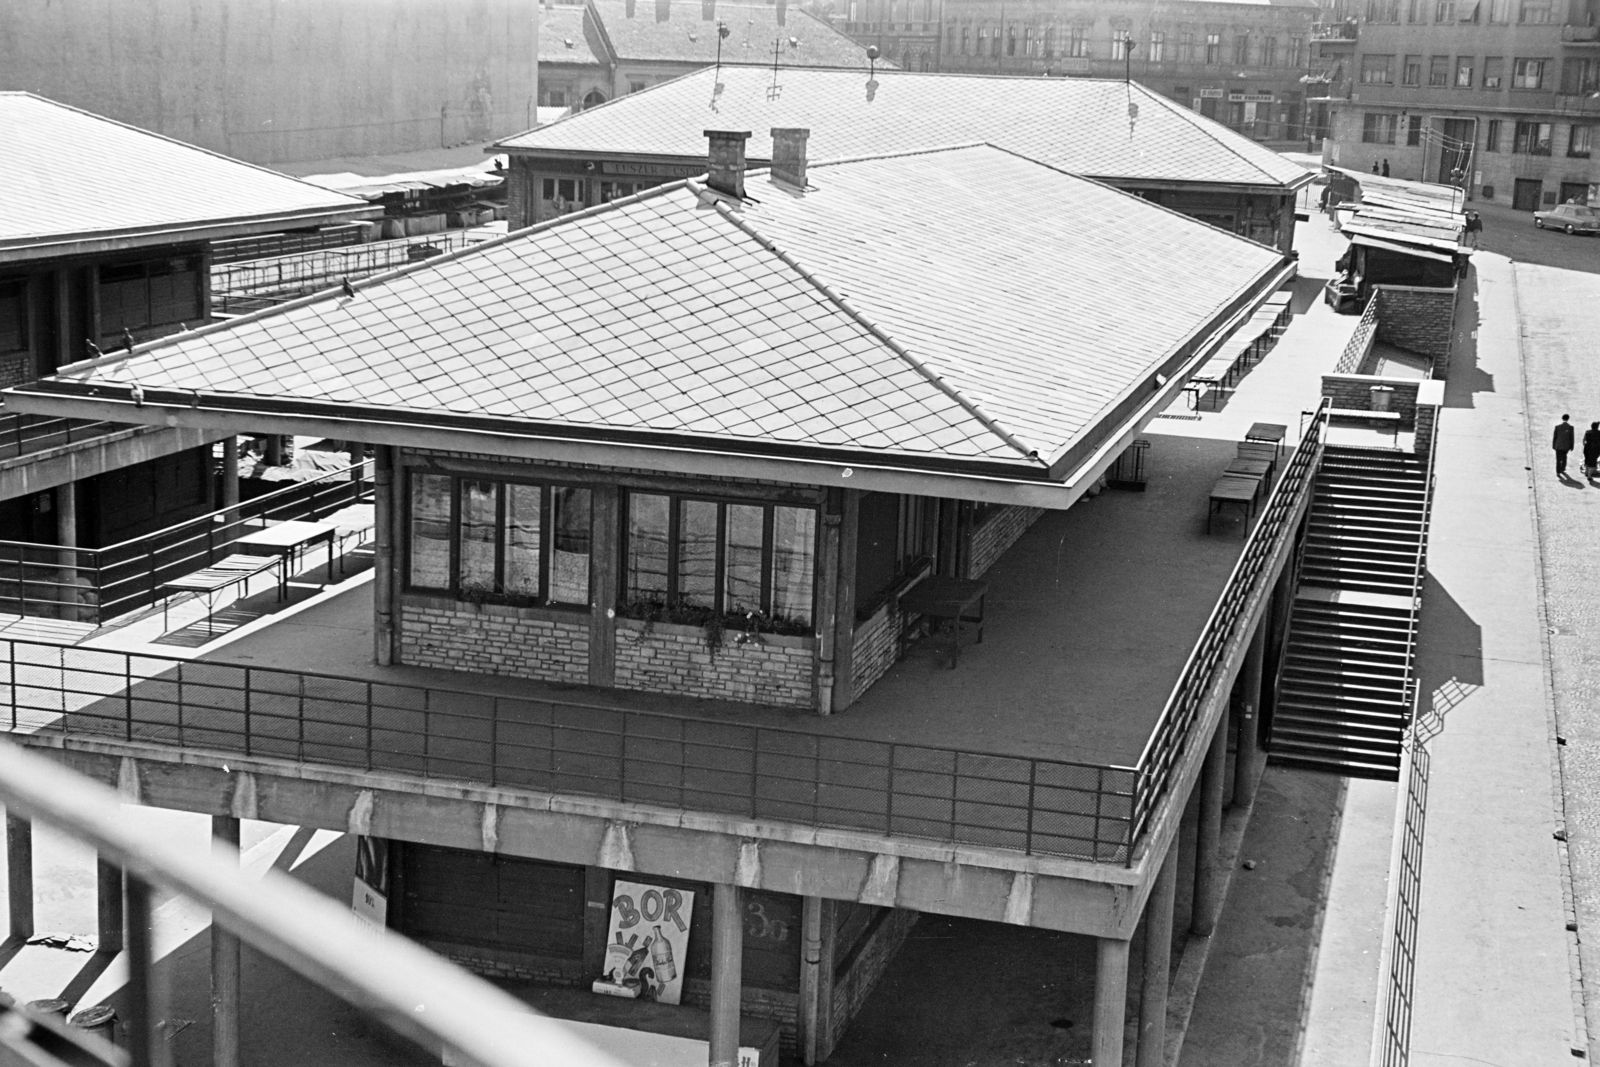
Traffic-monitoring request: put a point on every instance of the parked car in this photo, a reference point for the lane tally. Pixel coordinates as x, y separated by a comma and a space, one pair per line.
1573, 218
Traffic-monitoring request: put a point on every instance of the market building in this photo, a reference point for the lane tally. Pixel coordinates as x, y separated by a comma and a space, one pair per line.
122, 256
1125, 135
1499, 98
1241, 64
719, 453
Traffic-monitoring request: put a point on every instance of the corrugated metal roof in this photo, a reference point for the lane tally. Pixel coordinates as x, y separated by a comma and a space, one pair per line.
65, 173
1079, 124
676, 313
1418, 213
686, 37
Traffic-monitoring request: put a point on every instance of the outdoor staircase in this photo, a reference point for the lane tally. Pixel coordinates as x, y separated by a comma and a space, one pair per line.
1344, 693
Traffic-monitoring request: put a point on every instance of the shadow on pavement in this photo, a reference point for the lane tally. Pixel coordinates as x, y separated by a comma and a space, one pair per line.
1465, 378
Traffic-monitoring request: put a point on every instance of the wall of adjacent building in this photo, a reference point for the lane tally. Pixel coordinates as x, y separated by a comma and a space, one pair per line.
276, 81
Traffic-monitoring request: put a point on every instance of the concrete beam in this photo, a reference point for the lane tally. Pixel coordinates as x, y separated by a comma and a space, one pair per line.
35, 472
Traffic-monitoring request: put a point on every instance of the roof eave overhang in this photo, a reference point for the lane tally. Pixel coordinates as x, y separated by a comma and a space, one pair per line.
993, 482
55, 246
1264, 188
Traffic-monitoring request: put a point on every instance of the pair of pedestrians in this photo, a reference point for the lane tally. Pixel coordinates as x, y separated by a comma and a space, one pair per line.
1563, 442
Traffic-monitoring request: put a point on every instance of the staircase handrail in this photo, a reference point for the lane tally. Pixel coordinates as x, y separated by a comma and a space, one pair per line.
1360, 343
1418, 575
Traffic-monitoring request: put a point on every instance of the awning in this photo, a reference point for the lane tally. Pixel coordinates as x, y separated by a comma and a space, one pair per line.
1405, 250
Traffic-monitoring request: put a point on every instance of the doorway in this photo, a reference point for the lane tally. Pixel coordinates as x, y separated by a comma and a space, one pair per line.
1455, 151
1575, 191
1525, 197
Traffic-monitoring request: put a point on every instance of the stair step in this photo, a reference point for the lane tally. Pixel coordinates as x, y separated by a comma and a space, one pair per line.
1335, 763
1375, 743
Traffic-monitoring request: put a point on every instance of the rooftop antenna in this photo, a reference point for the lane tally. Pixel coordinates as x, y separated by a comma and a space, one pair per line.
1128, 46
775, 90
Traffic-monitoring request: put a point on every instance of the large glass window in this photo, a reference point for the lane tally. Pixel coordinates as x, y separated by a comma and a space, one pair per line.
510, 542
1581, 144
1494, 71
1580, 75
724, 557
1377, 128
1377, 69
1528, 74
1532, 138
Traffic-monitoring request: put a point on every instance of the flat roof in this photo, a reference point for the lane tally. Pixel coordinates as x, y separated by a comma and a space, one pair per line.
830, 324
1081, 125
72, 182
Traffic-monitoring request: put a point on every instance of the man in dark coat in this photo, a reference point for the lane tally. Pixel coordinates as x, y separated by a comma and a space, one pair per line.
1562, 441
1591, 450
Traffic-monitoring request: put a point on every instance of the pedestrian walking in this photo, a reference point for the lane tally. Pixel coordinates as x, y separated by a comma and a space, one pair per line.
1591, 451
1386, 168
1474, 227
1562, 441
1374, 166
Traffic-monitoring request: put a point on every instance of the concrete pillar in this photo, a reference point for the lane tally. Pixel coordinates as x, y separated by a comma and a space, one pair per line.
108, 905
230, 476
274, 456
1110, 1001
383, 556
224, 965
1157, 964
66, 497
1207, 876
358, 460
727, 978
827, 602
816, 978
1246, 754
19, 874
139, 1003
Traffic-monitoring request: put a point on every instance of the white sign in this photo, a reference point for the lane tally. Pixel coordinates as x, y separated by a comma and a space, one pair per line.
369, 904
370, 897
647, 944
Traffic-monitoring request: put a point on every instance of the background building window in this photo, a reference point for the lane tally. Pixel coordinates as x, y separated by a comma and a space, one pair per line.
1532, 139
1494, 69
635, 86
1297, 51
1581, 143
1120, 39
1185, 48
1383, 11
1535, 11
1011, 40
510, 542
1049, 42
1377, 128
1078, 43
1241, 50
1414, 131
14, 316
1377, 70
1491, 138
1158, 47
966, 33
1499, 10
724, 557
1269, 51
1580, 75
1438, 70
1444, 10
1528, 74
1411, 72
1464, 72
1213, 49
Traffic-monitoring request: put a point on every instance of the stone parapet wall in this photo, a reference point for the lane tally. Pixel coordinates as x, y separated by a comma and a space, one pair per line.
494, 639
670, 658
1353, 392
1419, 320
990, 541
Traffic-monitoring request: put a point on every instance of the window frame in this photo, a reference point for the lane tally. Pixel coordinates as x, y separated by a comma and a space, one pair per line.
547, 530
1158, 47
1378, 127
1121, 38
1438, 72
1467, 65
1491, 136
1494, 72
1213, 49
1526, 139
1573, 151
1411, 70
1527, 72
1387, 71
1414, 130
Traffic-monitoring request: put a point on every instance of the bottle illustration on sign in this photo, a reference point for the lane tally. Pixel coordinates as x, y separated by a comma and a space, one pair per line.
661, 958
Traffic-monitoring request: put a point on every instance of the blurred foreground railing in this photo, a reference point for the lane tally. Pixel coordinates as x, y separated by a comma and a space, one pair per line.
416, 993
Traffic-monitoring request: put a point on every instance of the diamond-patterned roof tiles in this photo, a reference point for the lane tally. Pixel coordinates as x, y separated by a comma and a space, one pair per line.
680, 312
1078, 124
122, 179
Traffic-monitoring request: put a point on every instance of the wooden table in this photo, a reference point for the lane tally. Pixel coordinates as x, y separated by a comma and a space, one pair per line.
287, 540
209, 581
1261, 453
1252, 468
948, 598
1268, 433
1234, 489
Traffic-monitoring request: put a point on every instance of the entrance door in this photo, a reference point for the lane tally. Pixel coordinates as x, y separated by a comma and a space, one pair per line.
1526, 195
1578, 191
1455, 153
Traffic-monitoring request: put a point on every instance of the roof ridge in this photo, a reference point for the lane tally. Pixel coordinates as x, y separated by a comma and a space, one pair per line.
936, 380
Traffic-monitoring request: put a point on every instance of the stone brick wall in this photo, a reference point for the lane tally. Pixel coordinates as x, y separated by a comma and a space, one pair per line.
851, 989
774, 670
990, 541
1417, 319
877, 645
1353, 392
16, 369
1425, 420
495, 639
515, 966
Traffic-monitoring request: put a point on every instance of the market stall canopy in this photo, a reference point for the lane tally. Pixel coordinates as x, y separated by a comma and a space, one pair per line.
479, 176
1408, 215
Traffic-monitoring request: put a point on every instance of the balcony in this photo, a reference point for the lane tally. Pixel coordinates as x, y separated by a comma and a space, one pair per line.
1334, 33
1581, 35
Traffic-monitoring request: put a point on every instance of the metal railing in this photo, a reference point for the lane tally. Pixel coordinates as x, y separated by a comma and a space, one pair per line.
22, 435
414, 992
1174, 730
1361, 341
98, 584
250, 285
1335, 31
1037, 806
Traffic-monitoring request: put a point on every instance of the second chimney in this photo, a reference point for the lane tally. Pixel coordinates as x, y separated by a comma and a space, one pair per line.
708, 10
725, 170
789, 156
628, 8
663, 10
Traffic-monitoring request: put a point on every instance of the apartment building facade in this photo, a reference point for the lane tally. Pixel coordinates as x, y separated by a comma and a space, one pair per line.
1500, 98
1240, 64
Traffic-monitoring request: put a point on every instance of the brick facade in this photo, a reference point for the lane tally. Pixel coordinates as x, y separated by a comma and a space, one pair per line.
1353, 392
495, 639
1419, 320
990, 541
16, 369
669, 658
877, 645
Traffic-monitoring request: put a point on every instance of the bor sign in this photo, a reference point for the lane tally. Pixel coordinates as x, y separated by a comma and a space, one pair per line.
647, 944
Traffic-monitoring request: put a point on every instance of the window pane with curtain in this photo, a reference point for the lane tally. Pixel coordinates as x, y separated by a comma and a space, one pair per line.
1439, 70
1269, 51
1463, 72
742, 546
794, 533
1581, 143
1494, 68
648, 528
570, 546
697, 553
430, 531
1377, 69
1213, 49
479, 504
521, 537
1528, 74
1411, 71
1158, 46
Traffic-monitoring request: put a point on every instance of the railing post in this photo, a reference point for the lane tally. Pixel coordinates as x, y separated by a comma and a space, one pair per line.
11, 674
1033, 774
369, 726
300, 719
127, 689
888, 807
494, 740
247, 695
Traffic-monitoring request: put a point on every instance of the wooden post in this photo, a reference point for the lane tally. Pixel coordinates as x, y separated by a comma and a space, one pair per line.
817, 923
224, 962
19, 875
844, 638
1208, 843
727, 979
230, 476
596, 920
383, 528
67, 537
1110, 1000
827, 620
1245, 756
1157, 964
605, 519
108, 905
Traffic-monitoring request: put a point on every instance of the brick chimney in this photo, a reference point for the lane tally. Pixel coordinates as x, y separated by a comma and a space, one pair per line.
783, 12
725, 170
630, 7
789, 156
663, 10
708, 10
